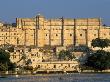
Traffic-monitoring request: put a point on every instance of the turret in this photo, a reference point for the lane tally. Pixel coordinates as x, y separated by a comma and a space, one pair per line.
40, 21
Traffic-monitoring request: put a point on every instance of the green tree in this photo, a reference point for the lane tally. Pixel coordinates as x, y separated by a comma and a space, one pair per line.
5, 63
82, 48
11, 49
8, 47
65, 55
100, 60
102, 43
28, 68
28, 62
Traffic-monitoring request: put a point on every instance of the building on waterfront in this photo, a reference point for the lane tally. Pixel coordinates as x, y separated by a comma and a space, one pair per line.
22, 56
35, 38
40, 32
34, 57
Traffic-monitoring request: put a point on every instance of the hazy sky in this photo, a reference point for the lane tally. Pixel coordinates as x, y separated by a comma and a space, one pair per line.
11, 9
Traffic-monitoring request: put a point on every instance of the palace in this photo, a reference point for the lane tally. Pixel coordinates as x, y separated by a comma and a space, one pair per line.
40, 40
40, 32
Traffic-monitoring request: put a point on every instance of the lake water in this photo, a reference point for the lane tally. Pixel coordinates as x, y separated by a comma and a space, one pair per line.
59, 78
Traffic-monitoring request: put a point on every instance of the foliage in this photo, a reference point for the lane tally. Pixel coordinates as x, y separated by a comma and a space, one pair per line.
23, 58
12, 66
82, 48
100, 60
5, 63
4, 56
28, 68
8, 47
28, 62
102, 43
11, 49
66, 55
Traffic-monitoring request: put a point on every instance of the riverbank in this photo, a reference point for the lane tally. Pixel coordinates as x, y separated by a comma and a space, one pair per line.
52, 72
93, 71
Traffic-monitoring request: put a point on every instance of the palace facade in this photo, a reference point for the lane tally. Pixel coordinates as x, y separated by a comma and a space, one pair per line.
40, 32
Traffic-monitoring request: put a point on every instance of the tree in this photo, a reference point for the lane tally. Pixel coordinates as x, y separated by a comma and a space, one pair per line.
82, 48
8, 47
28, 62
5, 63
100, 60
102, 43
11, 49
66, 55
28, 68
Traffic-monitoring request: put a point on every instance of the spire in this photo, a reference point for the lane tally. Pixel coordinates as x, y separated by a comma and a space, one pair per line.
40, 15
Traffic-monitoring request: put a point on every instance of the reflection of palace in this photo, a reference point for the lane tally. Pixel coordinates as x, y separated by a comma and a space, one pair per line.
39, 31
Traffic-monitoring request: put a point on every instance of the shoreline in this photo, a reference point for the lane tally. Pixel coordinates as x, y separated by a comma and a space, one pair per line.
43, 74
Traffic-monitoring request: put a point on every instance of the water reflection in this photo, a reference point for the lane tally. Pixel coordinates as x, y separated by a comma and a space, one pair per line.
59, 78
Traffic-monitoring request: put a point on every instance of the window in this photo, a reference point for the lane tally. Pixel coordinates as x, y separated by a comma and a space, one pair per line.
104, 34
56, 34
70, 34
38, 66
68, 65
80, 34
18, 50
6, 37
14, 33
46, 34
54, 66
14, 56
32, 54
94, 34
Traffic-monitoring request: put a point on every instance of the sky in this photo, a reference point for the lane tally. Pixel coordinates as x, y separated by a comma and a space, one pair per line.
12, 9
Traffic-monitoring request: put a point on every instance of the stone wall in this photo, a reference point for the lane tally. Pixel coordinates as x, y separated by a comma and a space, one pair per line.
39, 31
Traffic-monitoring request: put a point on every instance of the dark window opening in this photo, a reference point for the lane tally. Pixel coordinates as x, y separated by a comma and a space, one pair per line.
38, 66
70, 34
14, 33
68, 65
56, 34
104, 34
54, 66
80, 34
